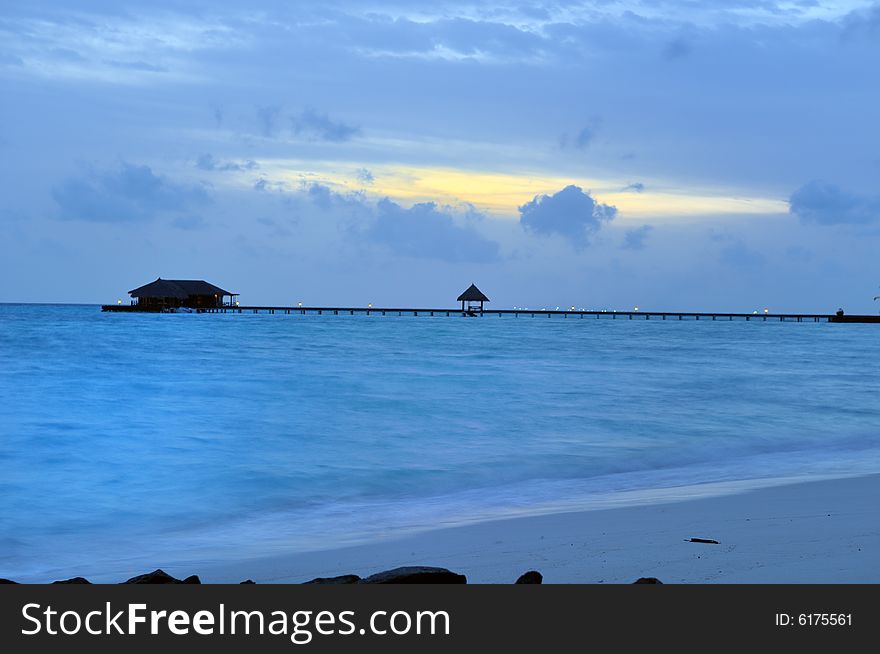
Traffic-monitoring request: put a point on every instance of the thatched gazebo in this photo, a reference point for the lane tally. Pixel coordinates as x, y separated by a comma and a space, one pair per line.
472, 295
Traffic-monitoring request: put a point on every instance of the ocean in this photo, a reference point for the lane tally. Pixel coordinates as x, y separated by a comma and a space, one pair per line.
135, 441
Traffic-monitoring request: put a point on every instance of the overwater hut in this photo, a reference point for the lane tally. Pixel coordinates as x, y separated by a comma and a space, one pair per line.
177, 293
472, 295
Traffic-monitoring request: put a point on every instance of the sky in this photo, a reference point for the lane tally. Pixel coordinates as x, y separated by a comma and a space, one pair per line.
671, 155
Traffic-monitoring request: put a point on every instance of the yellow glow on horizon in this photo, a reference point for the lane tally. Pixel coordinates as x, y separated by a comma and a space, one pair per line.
501, 193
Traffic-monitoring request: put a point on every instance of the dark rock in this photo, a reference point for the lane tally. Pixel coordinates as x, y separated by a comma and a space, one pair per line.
530, 577
74, 580
415, 575
703, 540
343, 579
192, 579
8, 581
248, 581
647, 580
154, 577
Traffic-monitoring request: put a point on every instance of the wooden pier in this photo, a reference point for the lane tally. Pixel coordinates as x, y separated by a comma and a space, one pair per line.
522, 313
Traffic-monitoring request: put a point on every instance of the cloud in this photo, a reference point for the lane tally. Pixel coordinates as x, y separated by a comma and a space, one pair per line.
826, 204
570, 213
582, 139
635, 187
677, 48
862, 22
141, 66
129, 193
444, 36
208, 162
267, 119
320, 127
427, 231
634, 239
365, 176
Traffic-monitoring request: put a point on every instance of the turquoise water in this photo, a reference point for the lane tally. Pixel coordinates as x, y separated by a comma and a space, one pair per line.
132, 441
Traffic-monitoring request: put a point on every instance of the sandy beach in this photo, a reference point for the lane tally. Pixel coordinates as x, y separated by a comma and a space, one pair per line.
824, 531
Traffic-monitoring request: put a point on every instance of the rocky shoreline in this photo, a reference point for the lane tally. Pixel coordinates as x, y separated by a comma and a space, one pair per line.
404, 575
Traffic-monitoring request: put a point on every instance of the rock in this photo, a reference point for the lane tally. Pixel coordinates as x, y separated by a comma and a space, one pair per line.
415, 575
156, 577
647, 580
73, 580
8, 581
248, 581
192, 579
530, 577
703, 540
343, 579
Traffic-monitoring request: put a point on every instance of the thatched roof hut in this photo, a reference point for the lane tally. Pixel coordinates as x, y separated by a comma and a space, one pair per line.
173, 293
472, 295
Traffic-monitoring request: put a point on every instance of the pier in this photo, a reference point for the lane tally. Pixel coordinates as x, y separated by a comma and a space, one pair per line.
520, 313
198, 296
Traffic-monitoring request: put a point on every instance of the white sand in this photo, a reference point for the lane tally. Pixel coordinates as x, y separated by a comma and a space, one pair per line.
820, 532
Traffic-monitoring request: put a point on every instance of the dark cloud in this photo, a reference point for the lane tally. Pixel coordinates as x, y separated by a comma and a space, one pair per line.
677, 48
570, 213
129, 193
581, 139
862, 22
634, 239
365, 176
826, 204
319, 126
427, 231
208, 162
324, 197
635, 187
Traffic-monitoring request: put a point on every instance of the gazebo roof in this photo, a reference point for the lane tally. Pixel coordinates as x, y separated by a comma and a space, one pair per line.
177, 288
473, 294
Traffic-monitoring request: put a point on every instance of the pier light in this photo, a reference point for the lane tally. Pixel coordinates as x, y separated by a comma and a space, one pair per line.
766, 310
370, 305
754, 312
118, 301
299, 304
572, 308
237, 303
635, 308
